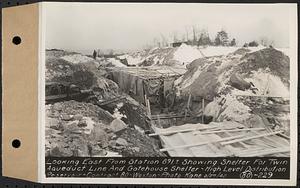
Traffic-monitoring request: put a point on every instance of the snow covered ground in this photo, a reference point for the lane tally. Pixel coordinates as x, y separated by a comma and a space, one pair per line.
183, 55
77, 58
217, 50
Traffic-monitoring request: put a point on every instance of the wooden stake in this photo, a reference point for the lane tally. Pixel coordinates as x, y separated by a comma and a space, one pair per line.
159, 124
149, 108
147, 103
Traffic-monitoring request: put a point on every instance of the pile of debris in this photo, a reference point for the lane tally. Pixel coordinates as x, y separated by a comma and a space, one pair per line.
83, 129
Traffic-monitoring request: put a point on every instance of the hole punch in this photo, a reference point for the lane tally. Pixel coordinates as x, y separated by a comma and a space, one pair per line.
16, 143
17, 40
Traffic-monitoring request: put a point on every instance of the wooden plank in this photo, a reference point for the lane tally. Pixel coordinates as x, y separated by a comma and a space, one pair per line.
266, 152
264, 96
201, 143
228, 134
251, 150
229, 149
210, 126
285, 136
165, 140
214, 148
234, 130
251, 137
182, 130
184, 139
111, 101
274, 143
168, 117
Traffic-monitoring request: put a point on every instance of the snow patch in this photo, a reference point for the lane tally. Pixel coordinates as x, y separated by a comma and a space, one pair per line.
132, 60
117, 114
187, 54
233, 110
217, 50
116, 62
267, 84
77, 58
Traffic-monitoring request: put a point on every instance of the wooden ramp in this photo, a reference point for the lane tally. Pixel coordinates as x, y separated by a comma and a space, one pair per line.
222, 139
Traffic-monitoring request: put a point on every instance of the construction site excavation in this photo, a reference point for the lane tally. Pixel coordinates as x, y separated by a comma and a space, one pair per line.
169, 101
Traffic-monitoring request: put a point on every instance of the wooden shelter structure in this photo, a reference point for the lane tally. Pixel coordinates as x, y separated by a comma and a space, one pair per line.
146, 83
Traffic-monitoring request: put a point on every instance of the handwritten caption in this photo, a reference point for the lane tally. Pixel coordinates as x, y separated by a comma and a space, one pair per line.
241, 168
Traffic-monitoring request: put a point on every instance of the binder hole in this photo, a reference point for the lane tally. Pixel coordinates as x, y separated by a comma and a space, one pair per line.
16, 40
16, 143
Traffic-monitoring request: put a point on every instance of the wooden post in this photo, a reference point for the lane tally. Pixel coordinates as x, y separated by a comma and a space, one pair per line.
187, 106
149, 108
147, 103
159, 124
189, 101
202, 110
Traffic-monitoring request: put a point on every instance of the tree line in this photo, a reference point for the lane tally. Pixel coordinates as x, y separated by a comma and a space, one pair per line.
203, 38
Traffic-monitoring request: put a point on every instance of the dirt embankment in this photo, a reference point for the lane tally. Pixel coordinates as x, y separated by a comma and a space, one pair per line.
276, 61
230, 82
263, 72
86, 75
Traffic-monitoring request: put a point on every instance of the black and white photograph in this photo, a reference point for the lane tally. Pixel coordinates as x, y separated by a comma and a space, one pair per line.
168, 80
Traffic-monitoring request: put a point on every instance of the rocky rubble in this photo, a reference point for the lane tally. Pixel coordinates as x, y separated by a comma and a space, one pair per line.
82, 129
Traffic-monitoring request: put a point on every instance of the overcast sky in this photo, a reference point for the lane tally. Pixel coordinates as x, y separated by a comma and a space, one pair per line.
86, 26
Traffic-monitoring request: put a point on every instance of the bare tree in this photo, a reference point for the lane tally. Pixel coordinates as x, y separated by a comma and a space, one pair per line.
194, 35
175, 37
187, 33
183, 38
156, 42
164, 40
266, 41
